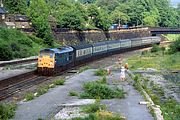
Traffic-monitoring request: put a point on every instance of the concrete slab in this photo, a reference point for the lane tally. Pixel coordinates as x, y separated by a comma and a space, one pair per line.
128, 107
45, 105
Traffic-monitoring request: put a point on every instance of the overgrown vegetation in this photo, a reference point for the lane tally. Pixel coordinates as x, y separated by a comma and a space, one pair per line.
172, 37
98, 111
158, 58
44, 89
101, 72
99, 89
93, 108
7, 111
73, 93
29, 96
59, 82
169, 107
15, 44
175, 46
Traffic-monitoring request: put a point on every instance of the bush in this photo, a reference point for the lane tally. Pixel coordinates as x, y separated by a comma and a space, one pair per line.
59, 82
42, 90
102, 81
102, 91
29, 96
175, 46
7, 111
93, 108
155, 48
101, 72
73, 93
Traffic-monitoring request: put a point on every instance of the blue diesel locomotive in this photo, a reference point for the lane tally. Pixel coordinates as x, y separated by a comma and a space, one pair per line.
51, 61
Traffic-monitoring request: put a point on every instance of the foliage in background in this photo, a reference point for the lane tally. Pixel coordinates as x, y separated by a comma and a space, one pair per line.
38, 12
75, 14
16, 6
172, 37
175, 46
7, 111
15, 44
158, 60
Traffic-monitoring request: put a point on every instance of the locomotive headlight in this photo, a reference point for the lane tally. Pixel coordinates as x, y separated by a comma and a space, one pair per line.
51, 63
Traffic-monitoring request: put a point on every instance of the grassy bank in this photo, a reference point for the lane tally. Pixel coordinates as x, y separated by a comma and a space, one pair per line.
172, 37
155, 60
15, 44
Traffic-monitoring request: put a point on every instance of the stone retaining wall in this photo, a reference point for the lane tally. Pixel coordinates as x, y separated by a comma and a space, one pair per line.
91, 36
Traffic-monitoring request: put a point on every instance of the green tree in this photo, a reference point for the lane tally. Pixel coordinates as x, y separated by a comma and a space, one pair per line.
70, 15
87, 1
16, 6
38, 12
119, 17
103, 20
107, 5
151, 18
72, 19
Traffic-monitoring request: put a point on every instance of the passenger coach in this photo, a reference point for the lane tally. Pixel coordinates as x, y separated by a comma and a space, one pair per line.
55, 60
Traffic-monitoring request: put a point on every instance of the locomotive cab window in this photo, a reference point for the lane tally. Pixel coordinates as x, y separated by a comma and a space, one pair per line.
46, 53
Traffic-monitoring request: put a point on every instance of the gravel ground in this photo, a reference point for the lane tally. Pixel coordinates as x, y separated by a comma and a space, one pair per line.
50, 103
170, 88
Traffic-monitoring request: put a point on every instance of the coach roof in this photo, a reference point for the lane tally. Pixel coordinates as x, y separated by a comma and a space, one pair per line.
62, 49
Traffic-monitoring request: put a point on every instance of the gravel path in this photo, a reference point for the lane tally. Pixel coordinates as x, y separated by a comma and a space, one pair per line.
46, 105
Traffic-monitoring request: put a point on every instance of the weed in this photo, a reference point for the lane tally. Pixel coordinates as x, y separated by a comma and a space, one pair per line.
102, 91
101, 72
93, 108
155, 48
29, 96
42, 90
102, 81
59, 82
83, 69
73, 93
7, 111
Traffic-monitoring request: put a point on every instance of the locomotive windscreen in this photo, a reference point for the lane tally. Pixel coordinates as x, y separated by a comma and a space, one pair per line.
46, 53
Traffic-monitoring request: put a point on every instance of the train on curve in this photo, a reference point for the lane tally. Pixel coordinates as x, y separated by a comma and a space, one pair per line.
53, 60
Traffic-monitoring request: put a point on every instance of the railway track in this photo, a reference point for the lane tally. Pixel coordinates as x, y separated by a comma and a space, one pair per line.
10, 86
14, 88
